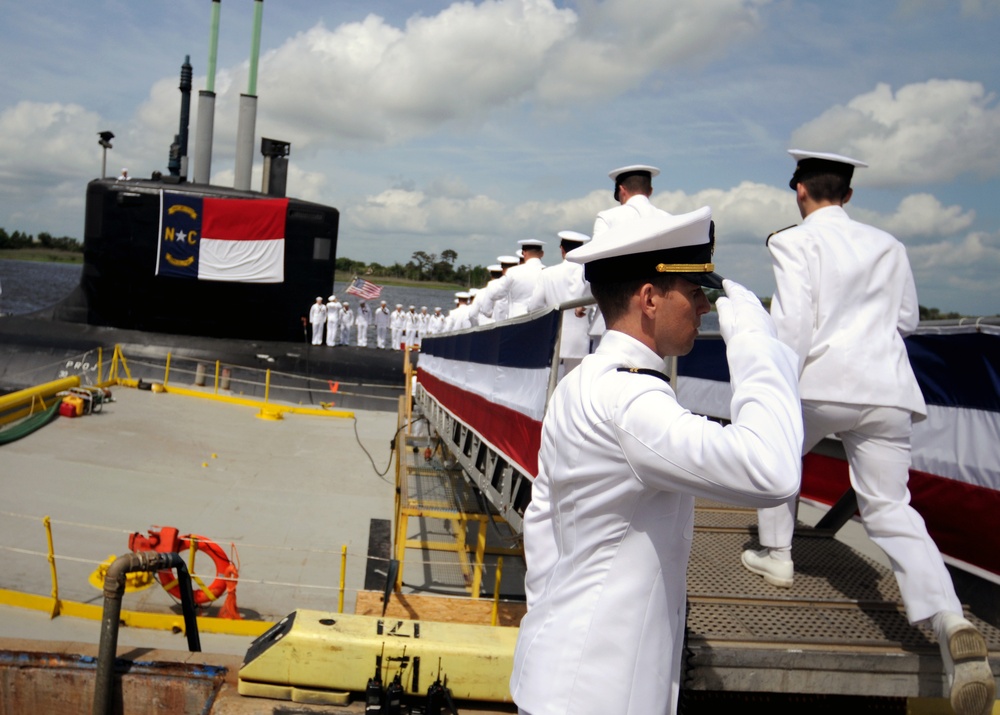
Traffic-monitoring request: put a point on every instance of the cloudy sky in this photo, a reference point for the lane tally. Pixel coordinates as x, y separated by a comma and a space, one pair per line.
438, 125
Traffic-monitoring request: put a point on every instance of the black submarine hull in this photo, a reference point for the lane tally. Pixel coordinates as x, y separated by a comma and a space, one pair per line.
120, 288
121, 301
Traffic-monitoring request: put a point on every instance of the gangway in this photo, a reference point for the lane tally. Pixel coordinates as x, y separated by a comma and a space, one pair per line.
841, 630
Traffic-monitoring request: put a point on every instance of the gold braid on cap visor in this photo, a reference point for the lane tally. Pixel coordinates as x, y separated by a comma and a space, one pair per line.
685, 267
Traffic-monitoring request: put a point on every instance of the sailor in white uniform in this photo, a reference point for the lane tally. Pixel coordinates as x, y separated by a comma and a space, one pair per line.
317, 318
458, 318
410, 328
607, 534
633, 187
381, 324
423, 320
561, 283
492, 300
396, 321
363, 320
518, 282
346, 323
333, 312
436, 324
495, 271
844, 300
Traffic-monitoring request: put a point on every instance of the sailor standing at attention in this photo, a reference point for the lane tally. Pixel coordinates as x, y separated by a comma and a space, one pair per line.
844, 300
396, 326
317, 318
410, 328
493, 303
436, 324
558, 284
633, 187
381, 324
346, 323
333, 312
518, 282
363, 320
607, 534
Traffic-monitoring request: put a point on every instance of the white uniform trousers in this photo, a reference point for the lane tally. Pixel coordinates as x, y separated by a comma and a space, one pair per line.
877, 443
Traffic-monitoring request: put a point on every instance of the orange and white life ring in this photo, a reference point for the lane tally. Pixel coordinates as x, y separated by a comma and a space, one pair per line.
169, 540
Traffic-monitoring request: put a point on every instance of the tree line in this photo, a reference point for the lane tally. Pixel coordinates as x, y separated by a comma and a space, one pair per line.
422, 267
17, 240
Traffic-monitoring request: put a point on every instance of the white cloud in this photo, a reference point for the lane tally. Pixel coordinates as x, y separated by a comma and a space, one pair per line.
48, 140
920, 216
619, 43
370, 82
926, 132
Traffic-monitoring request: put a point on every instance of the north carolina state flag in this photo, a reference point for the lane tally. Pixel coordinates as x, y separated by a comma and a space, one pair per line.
216, 239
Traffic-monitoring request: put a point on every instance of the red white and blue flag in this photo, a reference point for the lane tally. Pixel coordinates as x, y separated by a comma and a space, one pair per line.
495, 381
240, 240
364, 289
955, 465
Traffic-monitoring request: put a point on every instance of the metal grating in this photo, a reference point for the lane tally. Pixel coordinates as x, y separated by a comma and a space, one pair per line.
825, 570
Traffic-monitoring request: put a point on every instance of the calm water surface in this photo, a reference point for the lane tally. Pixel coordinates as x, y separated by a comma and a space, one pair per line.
31, 285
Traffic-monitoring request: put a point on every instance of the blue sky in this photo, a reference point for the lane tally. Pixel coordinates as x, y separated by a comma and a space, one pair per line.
467, 126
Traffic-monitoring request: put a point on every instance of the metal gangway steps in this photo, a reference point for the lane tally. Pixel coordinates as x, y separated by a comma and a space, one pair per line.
840, 630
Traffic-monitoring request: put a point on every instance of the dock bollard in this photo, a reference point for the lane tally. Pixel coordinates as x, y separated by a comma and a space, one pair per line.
199, 375
224, 383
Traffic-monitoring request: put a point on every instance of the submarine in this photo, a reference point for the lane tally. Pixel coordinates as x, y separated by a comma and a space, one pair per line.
200, 270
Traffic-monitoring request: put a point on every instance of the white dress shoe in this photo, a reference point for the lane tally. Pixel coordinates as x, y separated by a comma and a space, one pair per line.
970, 680
776, 572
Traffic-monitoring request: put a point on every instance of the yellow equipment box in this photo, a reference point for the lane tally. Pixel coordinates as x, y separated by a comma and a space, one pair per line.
316, 651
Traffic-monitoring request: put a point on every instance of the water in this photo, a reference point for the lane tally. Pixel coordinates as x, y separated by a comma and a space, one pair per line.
33, 285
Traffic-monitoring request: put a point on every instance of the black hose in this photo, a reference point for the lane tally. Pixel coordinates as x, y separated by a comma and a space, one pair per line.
114, 589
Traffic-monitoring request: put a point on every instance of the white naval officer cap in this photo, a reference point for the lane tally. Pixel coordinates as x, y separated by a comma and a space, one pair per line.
531, 244
319, 298
573, 237
495, 268
462, 295
437, 309
623, 172
813, 163
681, 245
332, 298
399, 305
508, 260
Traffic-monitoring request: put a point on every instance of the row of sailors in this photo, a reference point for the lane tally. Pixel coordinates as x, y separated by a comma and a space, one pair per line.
398, 328
521, 284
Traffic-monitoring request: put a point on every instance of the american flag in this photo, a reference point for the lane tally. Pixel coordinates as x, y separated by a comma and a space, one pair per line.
364, 289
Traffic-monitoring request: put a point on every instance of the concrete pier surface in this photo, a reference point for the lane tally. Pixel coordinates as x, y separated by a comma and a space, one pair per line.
282, 496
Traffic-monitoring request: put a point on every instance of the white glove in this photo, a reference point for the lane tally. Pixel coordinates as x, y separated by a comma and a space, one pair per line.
741, 312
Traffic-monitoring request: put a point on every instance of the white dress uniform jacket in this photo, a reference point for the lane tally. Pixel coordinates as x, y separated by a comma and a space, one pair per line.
517, 285
396, 325
637, 206
317, 318
346, 323
608, 531
333, 311
381, 325
845, 299
558, 284
436, 324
